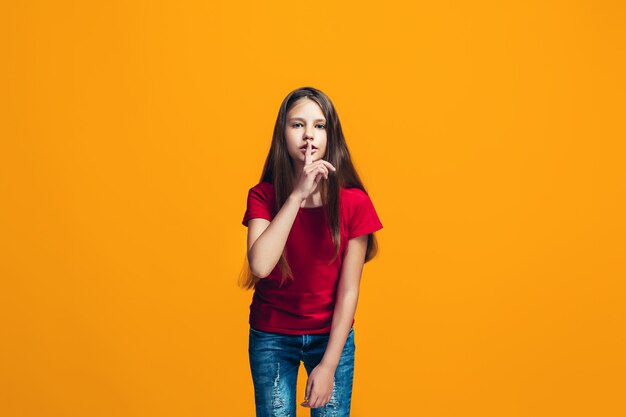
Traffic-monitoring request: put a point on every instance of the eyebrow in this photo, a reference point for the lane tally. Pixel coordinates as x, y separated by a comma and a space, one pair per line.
300, 118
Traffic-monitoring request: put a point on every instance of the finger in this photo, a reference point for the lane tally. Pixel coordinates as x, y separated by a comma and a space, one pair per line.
320, 169
315, 172
328, 164
311, 167
307, 391
323, 168
325, 172
308, 159
313, 396
324, 163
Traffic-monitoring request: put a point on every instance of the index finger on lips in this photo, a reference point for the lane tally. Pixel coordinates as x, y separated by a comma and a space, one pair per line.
308, 159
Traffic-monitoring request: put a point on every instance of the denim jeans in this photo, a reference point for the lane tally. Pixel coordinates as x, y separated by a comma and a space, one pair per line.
274, 362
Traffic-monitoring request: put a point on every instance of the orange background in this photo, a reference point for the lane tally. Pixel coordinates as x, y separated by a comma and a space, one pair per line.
490, 136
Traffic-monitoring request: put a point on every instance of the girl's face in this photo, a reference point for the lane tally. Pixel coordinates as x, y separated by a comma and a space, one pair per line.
305, 123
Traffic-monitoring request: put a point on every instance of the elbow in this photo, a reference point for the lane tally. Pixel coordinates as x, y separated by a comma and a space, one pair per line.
258, 273
255, 269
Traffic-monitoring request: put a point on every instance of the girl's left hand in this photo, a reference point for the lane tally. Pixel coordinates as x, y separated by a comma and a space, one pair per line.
319, 387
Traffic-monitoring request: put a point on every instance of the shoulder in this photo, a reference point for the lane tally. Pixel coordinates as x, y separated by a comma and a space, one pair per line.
263, 188
261, 194
361, 215
263, 185
353, 196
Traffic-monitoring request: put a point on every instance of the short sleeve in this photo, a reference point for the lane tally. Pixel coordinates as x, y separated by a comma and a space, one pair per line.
258, 204
364, 219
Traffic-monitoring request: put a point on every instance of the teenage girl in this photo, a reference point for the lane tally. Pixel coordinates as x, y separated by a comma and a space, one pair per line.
310, 231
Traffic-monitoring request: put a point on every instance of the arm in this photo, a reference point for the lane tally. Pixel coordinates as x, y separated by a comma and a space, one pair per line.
320, 382
266, 240
347, 297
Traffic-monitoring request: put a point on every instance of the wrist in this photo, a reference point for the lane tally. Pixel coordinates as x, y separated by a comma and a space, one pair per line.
297, 197
331, 365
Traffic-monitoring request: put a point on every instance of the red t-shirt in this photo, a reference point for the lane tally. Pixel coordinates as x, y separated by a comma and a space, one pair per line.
306, 304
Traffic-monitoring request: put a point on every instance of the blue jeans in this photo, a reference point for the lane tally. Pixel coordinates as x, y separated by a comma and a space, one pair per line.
274, 362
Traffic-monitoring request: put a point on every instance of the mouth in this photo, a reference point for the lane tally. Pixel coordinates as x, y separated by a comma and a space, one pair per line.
312, 147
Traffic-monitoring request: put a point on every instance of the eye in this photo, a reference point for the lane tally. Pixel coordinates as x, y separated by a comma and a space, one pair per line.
295, 124
323, 126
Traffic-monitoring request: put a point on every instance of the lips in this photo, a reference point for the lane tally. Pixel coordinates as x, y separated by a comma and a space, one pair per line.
304, 147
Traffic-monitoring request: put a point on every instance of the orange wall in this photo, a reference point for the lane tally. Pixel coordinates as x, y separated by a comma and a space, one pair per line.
489, 134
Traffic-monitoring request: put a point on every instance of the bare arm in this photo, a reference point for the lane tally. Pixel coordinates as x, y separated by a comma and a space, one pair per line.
266, 240
319, 386
347, 298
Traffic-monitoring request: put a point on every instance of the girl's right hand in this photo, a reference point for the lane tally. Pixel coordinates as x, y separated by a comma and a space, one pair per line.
311, 174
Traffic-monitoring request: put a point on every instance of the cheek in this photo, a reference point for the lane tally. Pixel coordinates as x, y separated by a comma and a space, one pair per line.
291, 142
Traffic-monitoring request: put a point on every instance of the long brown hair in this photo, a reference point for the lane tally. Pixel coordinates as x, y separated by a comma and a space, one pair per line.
278, 170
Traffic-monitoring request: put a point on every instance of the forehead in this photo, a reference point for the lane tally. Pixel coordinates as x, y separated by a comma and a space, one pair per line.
306, 109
